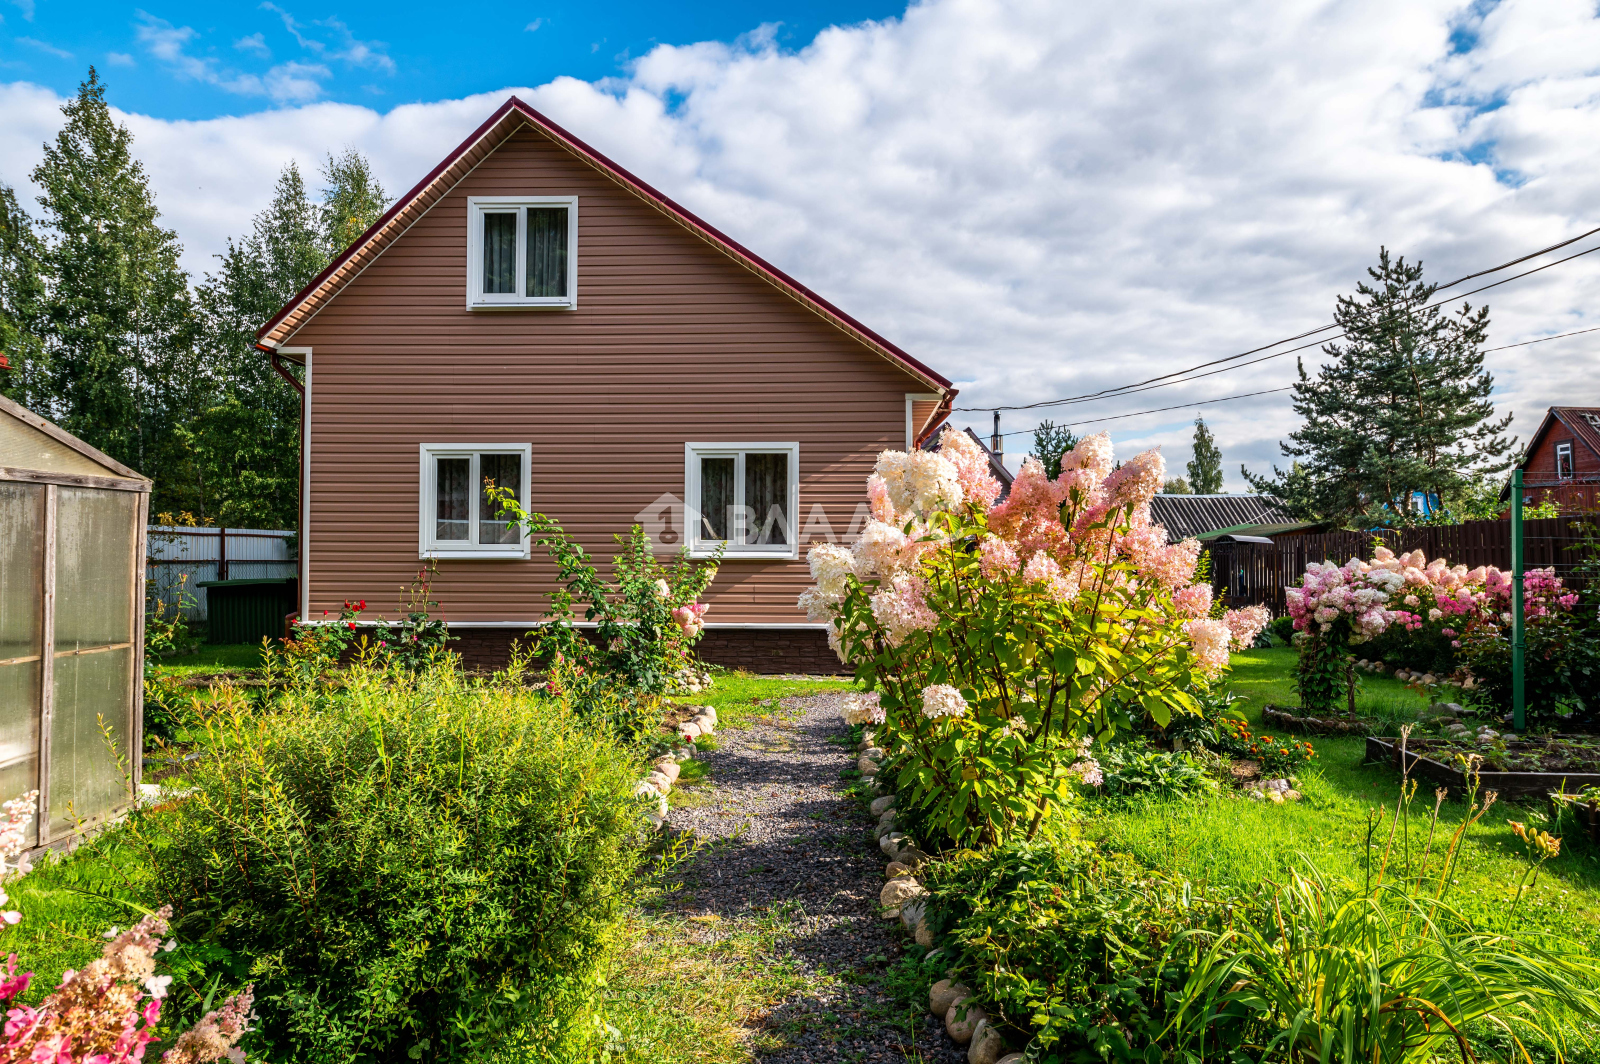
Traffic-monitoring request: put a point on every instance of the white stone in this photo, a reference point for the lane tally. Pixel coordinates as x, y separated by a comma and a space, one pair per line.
885, 828
689, 731
1010, 1058
882, 805
886, 816
961, 1022
645, 789
912, 912
875, 753
867, 768
943, 994
899, 890
896, 869
924, 936
890, 843
659, 781
669, 768
910, 855
662, 807
988, 1045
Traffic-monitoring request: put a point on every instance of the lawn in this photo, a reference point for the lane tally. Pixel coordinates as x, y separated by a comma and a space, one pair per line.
1241, 842
210, 659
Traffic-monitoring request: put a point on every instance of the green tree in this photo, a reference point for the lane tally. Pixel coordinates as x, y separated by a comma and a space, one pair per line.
1404, 406
26, 373
1050, 443
1176, 486
247, 439
1205, 469
351, 202
117, 317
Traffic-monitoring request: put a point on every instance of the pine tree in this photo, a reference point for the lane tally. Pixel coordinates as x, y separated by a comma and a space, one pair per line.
1050, 443
351, 202
25, 374
247, 440
117, 316
1404, 406
1205, 470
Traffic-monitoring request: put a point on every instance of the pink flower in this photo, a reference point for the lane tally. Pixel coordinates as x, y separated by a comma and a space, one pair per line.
1210, 639
997, 558
1244, 625
978, 484
1137, 482
901, 608
1193, 601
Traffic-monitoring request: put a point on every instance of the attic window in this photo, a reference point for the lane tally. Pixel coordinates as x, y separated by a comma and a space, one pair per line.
1564, 461
522, 252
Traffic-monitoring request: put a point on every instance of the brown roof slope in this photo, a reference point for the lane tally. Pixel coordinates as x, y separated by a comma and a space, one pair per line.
1184, 516
1584, 421
511, 116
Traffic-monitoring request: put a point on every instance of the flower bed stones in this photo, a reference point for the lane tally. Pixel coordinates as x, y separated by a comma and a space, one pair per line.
1292, 719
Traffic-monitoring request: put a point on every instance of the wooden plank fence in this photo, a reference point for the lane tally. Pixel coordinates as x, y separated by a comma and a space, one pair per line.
1248, 574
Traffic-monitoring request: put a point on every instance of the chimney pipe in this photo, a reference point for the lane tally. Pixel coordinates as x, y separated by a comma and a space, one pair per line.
996, 444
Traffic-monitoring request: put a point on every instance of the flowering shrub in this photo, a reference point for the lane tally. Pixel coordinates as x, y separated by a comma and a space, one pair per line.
646, 620
1000, 636
1429, 615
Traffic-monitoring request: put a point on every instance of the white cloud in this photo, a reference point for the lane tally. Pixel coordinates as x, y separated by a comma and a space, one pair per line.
349, 49
121, 59
533, 26
26, 6
1040, 199
45, 46
255, 44
286, 83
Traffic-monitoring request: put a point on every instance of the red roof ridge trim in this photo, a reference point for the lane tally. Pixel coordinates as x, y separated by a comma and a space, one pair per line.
335, 270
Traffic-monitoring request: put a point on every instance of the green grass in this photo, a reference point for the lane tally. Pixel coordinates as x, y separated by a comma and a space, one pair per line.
206, 659
1238, 842
742, 697
1266, 676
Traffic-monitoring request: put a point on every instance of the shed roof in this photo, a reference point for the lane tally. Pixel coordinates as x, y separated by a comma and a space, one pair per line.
31, 444
1186, 516
1582, 421
511, 116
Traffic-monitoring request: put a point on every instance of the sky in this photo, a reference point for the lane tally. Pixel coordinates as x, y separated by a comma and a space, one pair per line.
1039, 200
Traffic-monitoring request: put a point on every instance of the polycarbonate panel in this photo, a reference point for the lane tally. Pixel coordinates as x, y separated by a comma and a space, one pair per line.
94, 567
85, 782
21, 637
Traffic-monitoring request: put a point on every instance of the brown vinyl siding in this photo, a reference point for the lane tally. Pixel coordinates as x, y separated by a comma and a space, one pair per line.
671, 341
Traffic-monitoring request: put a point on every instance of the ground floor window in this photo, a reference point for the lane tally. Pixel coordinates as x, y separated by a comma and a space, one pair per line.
457, 517
743, 497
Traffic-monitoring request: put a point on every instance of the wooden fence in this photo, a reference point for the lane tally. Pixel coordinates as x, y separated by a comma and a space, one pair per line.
1252, 573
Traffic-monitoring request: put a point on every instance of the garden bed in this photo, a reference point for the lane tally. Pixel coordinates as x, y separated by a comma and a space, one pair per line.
1585, 812
1290, 718
1515, 768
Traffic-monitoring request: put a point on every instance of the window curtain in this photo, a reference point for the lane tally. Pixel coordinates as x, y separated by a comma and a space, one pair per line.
500, 471
547, 251
500, 253
716, 498
766, 498
451, 477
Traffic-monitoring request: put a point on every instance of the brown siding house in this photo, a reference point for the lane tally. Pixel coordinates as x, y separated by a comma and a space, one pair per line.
1562, 462
533, 314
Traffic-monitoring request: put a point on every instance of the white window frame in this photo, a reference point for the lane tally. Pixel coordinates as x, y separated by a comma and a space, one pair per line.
427, 505
911, 429
1564, 450
477, 298
703, 548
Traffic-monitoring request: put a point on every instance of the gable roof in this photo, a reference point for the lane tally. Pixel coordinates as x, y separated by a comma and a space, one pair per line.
48, 458
1582, 421
510, 117
1186, 516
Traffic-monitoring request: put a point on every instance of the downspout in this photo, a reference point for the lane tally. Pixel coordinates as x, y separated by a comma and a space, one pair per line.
277, 359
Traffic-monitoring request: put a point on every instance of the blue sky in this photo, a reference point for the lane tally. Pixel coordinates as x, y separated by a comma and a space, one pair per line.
191, 60
1038, 198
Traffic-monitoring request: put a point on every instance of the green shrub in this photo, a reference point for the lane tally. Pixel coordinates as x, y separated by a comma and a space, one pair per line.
409, 866
1133, 768
1083, 952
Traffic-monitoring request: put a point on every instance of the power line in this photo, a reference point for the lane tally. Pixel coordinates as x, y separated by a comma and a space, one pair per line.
1158, 410
1542, 339
1166, 378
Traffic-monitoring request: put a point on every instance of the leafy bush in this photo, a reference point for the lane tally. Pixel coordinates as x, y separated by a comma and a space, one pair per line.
1133, 768
1277, 756
1086, 953
1282, 629
410, 866
1001, 637
646, 620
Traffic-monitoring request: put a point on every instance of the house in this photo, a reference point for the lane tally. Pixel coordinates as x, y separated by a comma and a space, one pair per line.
72, 527
1194, 516
533, 315
1562, 462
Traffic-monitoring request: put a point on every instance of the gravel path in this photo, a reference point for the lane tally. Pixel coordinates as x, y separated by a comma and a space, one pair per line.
788, 841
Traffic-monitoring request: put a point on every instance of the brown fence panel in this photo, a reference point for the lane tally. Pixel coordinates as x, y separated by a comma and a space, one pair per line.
1248, 574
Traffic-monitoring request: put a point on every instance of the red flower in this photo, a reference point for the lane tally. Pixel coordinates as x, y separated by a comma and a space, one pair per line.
363, 605
351, 625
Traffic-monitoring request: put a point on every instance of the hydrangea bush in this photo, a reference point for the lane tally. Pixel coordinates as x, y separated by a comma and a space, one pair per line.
1424, 614
999, 636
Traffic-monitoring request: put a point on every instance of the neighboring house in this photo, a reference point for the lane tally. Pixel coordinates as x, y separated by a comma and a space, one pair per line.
1562, 462
532, 314
1186, 516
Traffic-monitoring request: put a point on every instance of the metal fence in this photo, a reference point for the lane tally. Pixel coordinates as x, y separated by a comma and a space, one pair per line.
1257, 573
180, 558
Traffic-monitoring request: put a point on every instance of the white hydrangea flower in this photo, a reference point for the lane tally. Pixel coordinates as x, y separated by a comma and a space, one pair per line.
942, 700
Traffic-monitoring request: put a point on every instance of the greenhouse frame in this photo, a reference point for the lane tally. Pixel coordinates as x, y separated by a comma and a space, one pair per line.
72, 547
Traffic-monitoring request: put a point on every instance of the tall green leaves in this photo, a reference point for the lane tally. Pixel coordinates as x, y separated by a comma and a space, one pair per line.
1205, 470
21, 298
1403, 407
352, 201
116, 312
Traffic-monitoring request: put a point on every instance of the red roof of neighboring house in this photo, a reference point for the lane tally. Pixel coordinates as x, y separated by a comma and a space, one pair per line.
512, 115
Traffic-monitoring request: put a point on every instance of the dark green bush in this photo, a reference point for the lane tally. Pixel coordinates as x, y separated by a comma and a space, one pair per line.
1083, 951
411, 866
1134, 768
